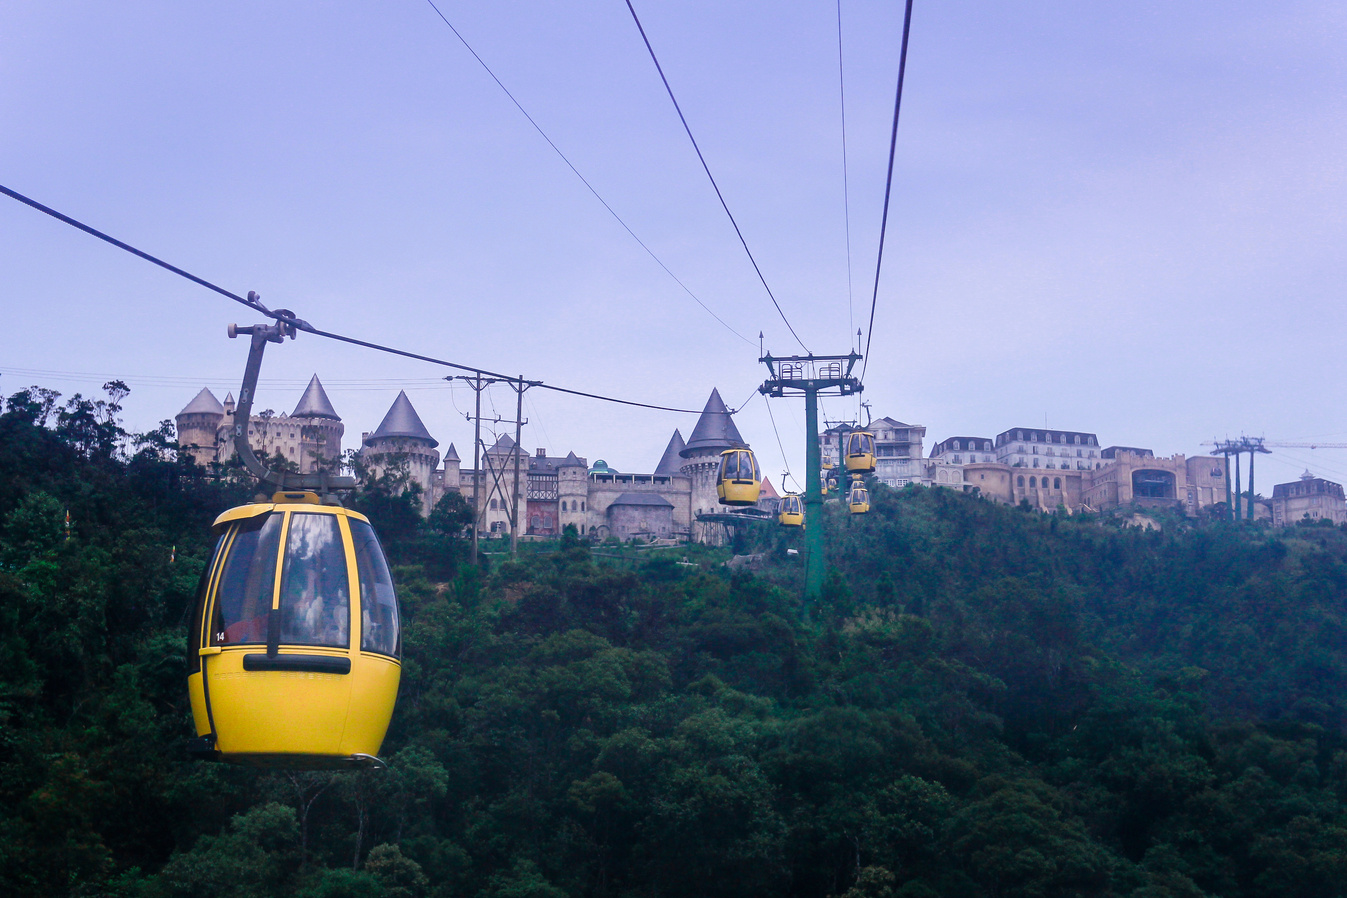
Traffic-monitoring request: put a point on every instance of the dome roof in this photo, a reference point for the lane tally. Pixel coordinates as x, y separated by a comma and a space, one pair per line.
403, 421
715, 430
205, 403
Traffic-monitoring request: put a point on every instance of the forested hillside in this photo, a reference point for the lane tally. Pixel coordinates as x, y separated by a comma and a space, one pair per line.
986, 702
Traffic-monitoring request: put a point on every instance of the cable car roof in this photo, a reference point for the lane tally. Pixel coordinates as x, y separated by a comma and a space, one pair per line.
288, 499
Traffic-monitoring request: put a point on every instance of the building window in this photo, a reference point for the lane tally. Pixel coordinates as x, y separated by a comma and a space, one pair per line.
1033, 482
956, 444
582, 505
1035, 463
1034, 436
493, 507
1056, 483
1021, 479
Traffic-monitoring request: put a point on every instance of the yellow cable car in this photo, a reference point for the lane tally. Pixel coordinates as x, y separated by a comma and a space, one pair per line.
739, 482
792, 511
295, 642
858, 500
860, 452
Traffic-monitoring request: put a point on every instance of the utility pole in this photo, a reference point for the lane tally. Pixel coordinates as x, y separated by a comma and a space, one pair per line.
518, 435
811, 376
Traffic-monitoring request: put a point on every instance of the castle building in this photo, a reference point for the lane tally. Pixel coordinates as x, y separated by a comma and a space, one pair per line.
1027, 447
402, 441
553, 491
1309, 498
310, 436
1066, 470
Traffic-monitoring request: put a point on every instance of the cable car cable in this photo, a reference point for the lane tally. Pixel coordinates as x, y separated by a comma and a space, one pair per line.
707, 169
846, 189
299, 323
784, 460
583, 179
888, 184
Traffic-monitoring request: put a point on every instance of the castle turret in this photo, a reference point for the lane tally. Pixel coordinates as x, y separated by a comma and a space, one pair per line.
198, 425
671, 463
715, 432
452, 479
573, 493
320, 428
401, 438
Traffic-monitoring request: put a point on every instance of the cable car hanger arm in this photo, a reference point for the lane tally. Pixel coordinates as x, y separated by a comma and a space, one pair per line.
262, 334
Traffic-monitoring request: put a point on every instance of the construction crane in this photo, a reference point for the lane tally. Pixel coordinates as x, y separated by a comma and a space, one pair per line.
1253, 446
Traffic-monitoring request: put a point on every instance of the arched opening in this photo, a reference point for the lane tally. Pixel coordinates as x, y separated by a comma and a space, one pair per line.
1152, 484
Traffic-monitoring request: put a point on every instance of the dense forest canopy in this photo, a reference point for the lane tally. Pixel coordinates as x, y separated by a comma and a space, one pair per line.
986, 701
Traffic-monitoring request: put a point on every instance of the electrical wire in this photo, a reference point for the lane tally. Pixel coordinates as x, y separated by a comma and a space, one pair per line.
888, 185
301, 324
846, 189
707, 169
583, 179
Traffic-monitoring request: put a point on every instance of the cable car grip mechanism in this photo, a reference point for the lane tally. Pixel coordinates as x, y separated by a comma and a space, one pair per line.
286, 325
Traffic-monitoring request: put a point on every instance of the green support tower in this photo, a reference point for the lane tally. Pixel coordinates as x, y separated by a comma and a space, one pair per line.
812, 376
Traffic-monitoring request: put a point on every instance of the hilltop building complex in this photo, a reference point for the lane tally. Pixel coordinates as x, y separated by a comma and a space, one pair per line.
1051, 470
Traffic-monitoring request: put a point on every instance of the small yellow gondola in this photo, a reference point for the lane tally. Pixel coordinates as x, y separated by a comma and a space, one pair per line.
295, 641
860, 454
858, 500
740, 481
792, 511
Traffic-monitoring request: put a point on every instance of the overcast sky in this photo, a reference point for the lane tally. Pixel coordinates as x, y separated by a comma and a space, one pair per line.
1119, 218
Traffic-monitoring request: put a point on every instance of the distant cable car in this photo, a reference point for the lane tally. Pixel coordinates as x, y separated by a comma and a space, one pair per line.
295, 642
792, 511
860, 454
858, 500
739, 482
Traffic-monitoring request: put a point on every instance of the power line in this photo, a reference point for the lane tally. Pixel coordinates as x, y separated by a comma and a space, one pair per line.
707, 169
254, 303
888, 184
582, 178
846, 189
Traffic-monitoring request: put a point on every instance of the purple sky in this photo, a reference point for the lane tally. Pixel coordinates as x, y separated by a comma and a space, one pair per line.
1126, 219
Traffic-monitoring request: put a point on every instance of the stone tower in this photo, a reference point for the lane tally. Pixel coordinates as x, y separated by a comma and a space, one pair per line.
198, 425
573, 494
402, 437
715, 432
320, 428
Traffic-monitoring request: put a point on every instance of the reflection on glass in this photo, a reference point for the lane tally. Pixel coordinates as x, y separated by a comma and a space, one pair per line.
244, 595
315, 599
378, 603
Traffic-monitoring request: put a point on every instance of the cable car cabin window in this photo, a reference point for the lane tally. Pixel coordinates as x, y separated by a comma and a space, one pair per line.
729, 466
243, 597
315, 596
379, 630
202, 586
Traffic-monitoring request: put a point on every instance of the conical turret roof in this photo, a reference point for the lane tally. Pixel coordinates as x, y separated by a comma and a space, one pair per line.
669, 464
204, 403
451, 454
504, 444
403, 421
715, 430
314, 403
